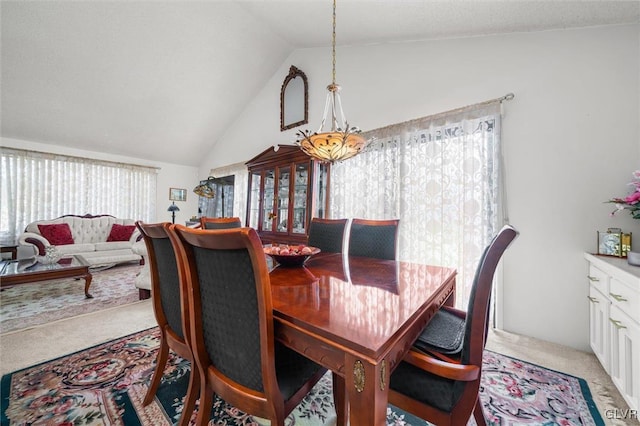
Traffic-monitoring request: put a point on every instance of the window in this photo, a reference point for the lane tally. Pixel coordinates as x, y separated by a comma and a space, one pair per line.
37, 186
440, 176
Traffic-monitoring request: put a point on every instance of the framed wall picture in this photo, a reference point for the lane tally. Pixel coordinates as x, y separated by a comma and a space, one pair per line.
177, 194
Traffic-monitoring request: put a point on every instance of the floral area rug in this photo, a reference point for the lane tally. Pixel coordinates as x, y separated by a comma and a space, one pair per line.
106, 384
27, 305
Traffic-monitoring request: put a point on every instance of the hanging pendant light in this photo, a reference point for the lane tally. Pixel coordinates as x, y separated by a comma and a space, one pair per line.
341, 141
205, 188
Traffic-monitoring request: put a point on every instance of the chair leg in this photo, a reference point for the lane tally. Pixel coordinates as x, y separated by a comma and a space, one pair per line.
340, 400
478, 414
206, 402
191, 396
161, 362
278, 420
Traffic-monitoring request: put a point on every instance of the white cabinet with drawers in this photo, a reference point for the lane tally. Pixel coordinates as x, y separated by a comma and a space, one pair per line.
614, 322
599, 325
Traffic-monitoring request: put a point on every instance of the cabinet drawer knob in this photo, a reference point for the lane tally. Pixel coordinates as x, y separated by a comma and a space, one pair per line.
593, 299
592, 279
618, 297
617, 323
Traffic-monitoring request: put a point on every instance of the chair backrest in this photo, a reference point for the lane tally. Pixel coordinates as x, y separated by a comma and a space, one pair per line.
220, 222
374, 238
168, 303
230, 304
477, 319
327, 234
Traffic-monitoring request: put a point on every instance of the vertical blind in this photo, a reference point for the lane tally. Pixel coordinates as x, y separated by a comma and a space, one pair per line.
38, 186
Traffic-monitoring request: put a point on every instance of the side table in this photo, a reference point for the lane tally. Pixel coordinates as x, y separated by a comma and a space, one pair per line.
10, 249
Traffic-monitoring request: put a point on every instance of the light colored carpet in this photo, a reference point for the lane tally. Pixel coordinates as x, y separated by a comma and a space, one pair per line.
567, 360
32, 304
21, 349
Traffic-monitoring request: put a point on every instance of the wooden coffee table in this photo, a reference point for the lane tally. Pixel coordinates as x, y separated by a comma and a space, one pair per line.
15, 272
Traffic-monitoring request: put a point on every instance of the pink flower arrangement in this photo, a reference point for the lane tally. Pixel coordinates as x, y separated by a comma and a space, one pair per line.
632, 201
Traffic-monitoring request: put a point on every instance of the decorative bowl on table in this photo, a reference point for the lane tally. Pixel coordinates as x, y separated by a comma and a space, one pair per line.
290, 255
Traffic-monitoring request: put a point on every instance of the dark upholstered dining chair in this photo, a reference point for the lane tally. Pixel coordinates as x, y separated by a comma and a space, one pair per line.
169, 306
439, 378
374, 238
327, 234
232, 327
220, 222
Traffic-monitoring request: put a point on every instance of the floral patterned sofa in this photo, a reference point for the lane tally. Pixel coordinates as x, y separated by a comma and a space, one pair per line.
101, 240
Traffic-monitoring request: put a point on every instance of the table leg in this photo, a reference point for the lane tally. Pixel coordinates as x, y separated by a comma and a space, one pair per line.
87, 283
367, 387
340, 400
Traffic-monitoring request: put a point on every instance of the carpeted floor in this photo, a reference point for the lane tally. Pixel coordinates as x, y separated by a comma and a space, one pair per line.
34, 344
32, 304
105, 385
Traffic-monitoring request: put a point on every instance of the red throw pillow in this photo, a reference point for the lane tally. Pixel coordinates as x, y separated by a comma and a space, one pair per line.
121, 232
58, 234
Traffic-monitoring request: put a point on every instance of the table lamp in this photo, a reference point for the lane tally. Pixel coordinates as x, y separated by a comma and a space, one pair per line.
173, 209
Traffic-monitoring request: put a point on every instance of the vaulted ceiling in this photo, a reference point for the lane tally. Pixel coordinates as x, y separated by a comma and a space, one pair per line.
139, 78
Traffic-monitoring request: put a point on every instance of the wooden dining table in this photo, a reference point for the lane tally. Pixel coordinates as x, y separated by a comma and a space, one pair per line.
358, 317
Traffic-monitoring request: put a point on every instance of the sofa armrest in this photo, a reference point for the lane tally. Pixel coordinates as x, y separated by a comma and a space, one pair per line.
136, 236
36, 240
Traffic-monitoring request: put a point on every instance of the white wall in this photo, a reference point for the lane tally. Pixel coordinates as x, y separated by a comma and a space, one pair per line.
571, 140
169, 176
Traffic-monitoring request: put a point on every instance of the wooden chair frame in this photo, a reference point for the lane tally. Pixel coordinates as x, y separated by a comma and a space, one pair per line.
336, 222
269, 404
452, 367
168, 337
224, 222
370, 222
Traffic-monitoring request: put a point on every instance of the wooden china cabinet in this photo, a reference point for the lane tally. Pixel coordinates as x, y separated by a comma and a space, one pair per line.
286, 189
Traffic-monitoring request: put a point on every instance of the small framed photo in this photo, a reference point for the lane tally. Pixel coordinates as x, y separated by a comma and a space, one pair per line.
614, 242
177, 194
609, 243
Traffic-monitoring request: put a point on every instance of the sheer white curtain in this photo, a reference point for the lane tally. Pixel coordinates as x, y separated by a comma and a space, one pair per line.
38, 186
440, 176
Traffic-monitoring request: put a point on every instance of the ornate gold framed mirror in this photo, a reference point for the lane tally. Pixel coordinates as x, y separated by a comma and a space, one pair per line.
294, 100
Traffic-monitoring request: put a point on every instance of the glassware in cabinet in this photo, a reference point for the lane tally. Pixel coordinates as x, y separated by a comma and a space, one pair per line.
294, 189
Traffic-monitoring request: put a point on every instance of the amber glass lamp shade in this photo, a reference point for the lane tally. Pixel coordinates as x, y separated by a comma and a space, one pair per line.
341, 141
338, 143
204, 190
332, 146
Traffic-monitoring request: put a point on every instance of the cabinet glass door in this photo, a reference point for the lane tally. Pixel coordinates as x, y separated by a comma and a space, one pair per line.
268, 202
254, 201
301, 181
284, 177
320, 188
